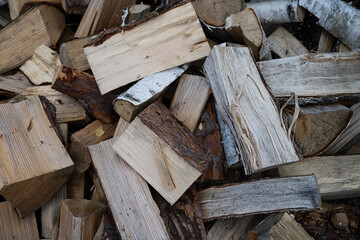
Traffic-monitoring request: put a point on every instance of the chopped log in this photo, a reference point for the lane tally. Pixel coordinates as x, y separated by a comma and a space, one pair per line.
18, 41
245, 27
77, 7
29, 145
80, 218
190, 99
214, 12
182, 36
67, 109
151, 146
135, 212
248, 109
137, 11
262, 196
338, 18
93, 133
333, 173
284, 44
12, 85
17, 7
278, 11
76, 186
313, 75
82, 86
102, 15
13, 227
72, 54
42, 67
139, 96
318, 126
326, 42
50, 215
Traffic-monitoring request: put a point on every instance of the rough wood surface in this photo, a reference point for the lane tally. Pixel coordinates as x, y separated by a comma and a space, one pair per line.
284, 44
262, 196
19, 39
80, 218
248, 109
182, 35
137, 11
77, 7
146, 91
72, 54
313, 75
76, 186
17, 7
120, 127
13, 227
36, 164
338, 176
11, 85
326, 42
190, 99
67, 109
42, 67
82, 86
135, 212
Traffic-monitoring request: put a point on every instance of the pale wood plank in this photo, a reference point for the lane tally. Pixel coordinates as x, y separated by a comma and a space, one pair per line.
72, 54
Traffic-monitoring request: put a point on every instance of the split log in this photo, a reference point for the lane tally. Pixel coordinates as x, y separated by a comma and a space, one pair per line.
67, 109
76, 186
121, 127
151, 146
82, 86
343, 48
12, 85
248, 109
182, 36
326, 42
313, 75
333, 173
98, 194
137, 11
190, 99
214, 12
146, 91
50, 216
18, 41
262, 196
77, 7
79, 219
93, 133
17, 7
278, 11
135, 212
30, 146
72, 54
338, 18
42, 66
13, 227
318, 126
246, 28
102, 15
284, 44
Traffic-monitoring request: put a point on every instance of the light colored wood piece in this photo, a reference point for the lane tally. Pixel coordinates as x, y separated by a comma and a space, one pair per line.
326, 42
313, 75
97, 191
262, 196
338, 176
338, 18
248, 109
17, 7
135, 213
92, 134
36, 164
72, 54
80, 218
64, 127
42, 66
343, 48
18, 40
182, 36
120, 127
67, 108
50, 215
146, 91
284, 44
13, 84
190, 99
137, 11
13, 227
76, 186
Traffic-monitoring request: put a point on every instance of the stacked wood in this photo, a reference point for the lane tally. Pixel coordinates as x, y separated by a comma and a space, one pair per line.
17, 7
72, 54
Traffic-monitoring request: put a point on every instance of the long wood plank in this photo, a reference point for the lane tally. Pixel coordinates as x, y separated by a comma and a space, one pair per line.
262, 196
179, 32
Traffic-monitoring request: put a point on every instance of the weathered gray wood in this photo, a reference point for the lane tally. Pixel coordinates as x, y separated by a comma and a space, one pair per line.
248, 109
11, 85
338, 176
262, 196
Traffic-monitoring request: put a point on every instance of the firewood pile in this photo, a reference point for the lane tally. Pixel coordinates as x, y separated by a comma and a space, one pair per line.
203, 119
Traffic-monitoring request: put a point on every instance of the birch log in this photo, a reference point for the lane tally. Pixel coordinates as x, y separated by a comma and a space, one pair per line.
338, 18
248, 109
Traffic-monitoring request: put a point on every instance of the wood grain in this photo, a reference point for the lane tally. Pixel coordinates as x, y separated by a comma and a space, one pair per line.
11, 85
17, 7
72, 54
